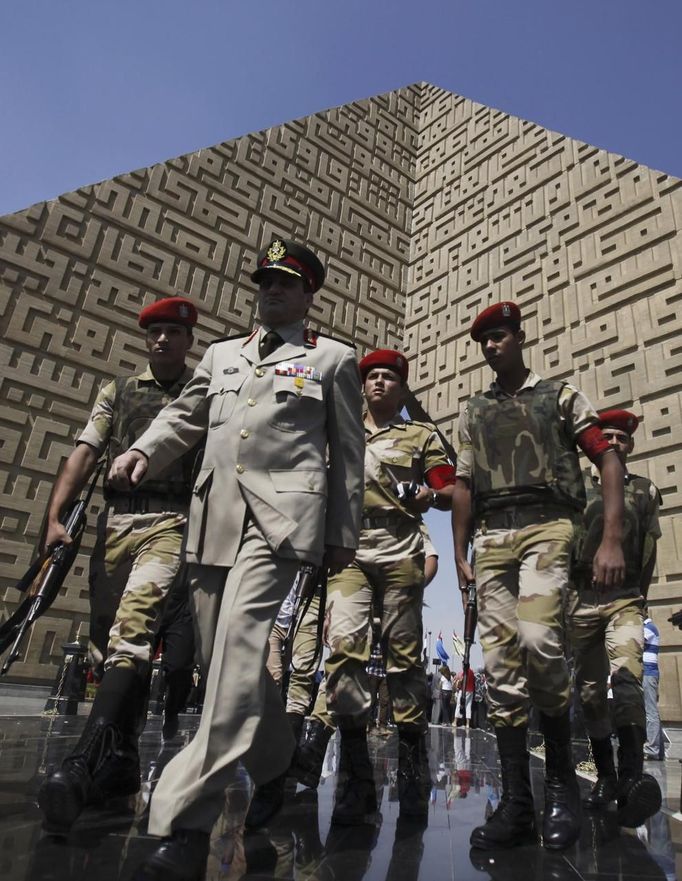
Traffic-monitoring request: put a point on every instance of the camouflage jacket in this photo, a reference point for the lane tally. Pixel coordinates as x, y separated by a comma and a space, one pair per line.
394, 454
521, 449
124, 409
399, 452
641, 529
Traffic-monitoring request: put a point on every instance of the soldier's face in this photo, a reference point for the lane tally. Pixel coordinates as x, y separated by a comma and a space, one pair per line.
282, 298
168, 344
621, 442
383, 386
502, 348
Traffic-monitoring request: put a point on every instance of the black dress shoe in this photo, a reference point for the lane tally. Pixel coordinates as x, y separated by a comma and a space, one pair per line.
180, 857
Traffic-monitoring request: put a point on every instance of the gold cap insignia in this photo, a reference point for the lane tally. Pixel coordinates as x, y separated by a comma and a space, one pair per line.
277, 251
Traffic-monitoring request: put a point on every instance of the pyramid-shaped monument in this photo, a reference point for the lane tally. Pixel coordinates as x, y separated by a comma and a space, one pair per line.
425, 207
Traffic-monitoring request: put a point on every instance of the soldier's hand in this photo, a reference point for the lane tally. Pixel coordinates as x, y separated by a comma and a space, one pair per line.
325, 628
336, 559
608, 567
127, 470
54, 534
420, 503
465, 575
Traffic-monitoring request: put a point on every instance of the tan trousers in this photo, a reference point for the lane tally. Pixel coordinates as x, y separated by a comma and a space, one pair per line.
243, 717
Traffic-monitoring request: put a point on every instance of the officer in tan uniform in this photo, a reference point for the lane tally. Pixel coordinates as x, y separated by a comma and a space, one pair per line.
134, 562
407, 471
606, 634
281, 484
519, 492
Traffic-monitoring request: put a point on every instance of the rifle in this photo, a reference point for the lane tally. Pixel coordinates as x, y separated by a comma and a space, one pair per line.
470, 619
44, 577
310, 581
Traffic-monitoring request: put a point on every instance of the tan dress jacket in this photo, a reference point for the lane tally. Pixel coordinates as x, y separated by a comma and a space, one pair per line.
284, 441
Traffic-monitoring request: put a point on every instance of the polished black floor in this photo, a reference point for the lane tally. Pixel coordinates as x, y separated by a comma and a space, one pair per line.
300, 844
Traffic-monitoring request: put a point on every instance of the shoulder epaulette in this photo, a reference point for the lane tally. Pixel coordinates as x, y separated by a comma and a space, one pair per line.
310, 337
429, 426
234, 336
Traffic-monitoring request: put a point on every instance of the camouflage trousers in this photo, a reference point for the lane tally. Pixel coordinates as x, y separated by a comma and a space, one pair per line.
134, 562
607, 636
394, 590
302, 679
521, 579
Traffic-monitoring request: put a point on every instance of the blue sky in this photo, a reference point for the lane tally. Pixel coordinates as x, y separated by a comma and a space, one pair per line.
90, 88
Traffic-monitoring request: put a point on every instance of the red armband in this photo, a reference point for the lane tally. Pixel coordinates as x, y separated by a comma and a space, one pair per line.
440, 476
593, 443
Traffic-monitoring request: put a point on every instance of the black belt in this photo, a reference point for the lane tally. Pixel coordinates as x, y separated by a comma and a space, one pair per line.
143, 503
382, 521
523, 515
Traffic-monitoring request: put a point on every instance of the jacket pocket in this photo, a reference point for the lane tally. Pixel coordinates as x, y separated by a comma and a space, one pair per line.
222, 396
198, 512
299, 481
296, 407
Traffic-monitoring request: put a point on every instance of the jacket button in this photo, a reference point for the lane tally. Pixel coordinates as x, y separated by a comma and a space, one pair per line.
260, 372
244, 433
240, 469
251, 402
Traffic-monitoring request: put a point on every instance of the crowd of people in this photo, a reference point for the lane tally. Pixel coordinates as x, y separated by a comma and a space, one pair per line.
282, 451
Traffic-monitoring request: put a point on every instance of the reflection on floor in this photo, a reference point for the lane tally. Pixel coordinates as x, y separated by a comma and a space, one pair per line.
299, 843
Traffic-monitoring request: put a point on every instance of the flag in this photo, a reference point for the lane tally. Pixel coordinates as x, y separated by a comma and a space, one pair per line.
440, 649
458, 645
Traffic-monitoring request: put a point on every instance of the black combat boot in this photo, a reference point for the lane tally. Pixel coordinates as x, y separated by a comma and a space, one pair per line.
513, 821
181, 856
268, 798
178, 686
65, 793
356, 798
296, 721
119, 776
561, 820
604, 788
306, 766
639, 795
414, 780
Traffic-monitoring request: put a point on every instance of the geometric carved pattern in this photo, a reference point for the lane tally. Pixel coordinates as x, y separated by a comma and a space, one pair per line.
424, 207
75, 271
590, 246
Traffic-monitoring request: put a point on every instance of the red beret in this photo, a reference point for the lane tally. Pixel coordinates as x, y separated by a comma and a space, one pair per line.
623, 420
385, 358
506, 314
177, 310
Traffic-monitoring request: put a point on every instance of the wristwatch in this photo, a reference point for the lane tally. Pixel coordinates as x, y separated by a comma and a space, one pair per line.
434, 498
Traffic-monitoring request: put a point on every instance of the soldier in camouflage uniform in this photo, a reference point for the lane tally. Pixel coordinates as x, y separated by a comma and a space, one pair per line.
519, 492
407, 471
308, 760
606, 632
134, 562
